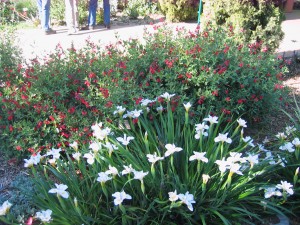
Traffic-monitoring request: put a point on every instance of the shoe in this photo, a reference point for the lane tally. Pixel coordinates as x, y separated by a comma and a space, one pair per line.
107, 26
50, 31
92, 27
72, 31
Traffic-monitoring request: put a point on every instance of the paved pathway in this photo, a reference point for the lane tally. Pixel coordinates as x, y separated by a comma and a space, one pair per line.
291, 28
34, 42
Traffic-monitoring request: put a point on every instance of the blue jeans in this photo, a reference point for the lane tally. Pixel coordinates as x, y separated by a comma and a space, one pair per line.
44, 13
106, 8
92, 12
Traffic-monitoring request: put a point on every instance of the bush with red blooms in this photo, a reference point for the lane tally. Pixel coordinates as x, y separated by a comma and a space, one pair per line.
53, 102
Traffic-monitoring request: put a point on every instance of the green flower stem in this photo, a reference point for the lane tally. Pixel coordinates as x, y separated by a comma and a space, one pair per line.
186, 115
228, 181
235, 131
175, 204
61, 202
297, 153
198, 166
222, 149
104, 190
153, 170
142, 186
203, 190
122, 208
170, 124
172, 163
295, 178
115, 184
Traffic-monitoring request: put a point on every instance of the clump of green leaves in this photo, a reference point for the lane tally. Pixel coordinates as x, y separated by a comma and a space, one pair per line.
179, 10
7, 14
253, 21
20, 194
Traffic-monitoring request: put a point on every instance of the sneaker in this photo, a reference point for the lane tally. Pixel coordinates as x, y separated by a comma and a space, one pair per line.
72, 31
50, 31
92, 27
107, 26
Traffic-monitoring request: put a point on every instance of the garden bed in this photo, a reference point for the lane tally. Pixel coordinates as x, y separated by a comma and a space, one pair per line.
239, 196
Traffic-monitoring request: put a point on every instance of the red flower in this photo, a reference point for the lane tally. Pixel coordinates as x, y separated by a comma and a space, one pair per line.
84, 113
241, 101
87, 83
188, 75
109, 104
169, 63
226, 49
135, 120
201, 100
138, 100
24, 97
31, 150
121, 65
215, 93
160, 99
180, 76
227, 99
71, 110
92, 75
18, 148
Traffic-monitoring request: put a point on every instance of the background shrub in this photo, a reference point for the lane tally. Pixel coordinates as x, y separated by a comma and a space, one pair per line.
7, 14
252, 21
58, 12
29, 6
179, 10
136, 8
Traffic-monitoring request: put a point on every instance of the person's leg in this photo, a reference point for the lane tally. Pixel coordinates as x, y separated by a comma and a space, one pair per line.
45, 14
93, 4
106, 8
76, 14
39, 6
68, 14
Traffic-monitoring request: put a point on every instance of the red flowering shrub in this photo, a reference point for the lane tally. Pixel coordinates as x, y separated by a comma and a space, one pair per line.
54, 102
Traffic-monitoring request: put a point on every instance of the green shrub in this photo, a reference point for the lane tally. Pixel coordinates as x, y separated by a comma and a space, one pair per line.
7, 14
58, 11
252, 21
136, 8
179, 10
30, 7
154, 160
